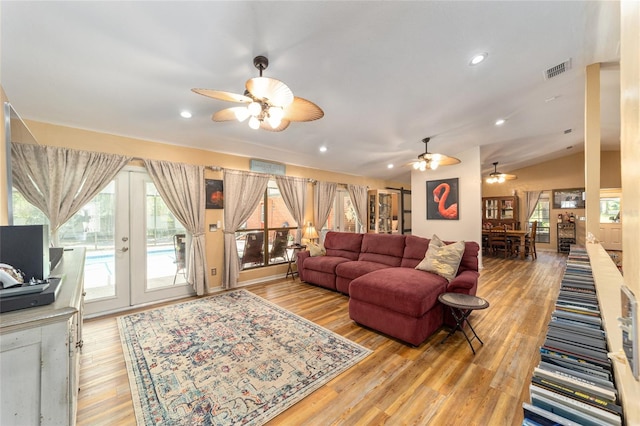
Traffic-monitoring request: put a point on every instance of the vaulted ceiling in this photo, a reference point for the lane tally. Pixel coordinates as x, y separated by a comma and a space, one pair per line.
386, 74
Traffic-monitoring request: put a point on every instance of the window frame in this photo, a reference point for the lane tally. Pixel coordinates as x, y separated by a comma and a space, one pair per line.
268, 233
543, 237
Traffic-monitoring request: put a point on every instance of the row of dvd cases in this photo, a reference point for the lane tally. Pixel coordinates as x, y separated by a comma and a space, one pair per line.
573, 384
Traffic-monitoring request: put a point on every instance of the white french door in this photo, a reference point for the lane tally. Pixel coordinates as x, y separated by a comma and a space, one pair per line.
132, 259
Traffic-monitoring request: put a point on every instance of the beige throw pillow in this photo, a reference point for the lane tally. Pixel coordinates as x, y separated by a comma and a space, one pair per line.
316, 249
442, 259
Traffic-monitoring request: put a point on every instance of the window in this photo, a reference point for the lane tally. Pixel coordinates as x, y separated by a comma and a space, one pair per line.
25, 213
343, 216
609, 209
264, 237
541, 214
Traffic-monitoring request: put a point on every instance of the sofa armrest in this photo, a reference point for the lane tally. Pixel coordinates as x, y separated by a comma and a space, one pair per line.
300, 257
466, 282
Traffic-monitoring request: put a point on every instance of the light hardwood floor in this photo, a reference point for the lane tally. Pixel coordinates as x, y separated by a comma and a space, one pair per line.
435, 384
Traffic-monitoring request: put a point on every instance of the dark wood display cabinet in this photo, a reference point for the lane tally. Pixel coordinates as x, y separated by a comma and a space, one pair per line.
498, 211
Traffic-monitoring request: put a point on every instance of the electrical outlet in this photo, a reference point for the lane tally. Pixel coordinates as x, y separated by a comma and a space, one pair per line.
213, 271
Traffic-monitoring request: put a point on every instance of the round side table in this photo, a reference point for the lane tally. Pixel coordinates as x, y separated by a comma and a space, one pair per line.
461, 306
291, 258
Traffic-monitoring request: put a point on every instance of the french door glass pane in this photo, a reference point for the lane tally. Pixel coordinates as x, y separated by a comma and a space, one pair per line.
93, 227
165, 243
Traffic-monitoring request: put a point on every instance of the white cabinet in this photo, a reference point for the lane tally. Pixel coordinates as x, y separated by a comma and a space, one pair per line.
39, 353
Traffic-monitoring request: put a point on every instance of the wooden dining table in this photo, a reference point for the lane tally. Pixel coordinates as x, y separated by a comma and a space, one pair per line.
513, 234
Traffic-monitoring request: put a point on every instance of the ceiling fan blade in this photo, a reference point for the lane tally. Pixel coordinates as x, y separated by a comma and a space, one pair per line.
302, 110
448, 161
275, 91
283, 125
223, 96
227, 114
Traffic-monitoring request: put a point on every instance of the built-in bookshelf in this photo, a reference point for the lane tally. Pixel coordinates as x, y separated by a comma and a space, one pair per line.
574, 382
609, 280
582, 377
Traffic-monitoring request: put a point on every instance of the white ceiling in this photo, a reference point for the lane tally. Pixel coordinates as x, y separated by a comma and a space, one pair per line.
387, 74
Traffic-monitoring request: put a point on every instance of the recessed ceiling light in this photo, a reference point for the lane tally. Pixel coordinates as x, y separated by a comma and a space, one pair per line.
389, 166
500, 122
185, 114
323, 149
478, 58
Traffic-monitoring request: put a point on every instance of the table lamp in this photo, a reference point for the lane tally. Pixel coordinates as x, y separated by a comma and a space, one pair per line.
310, 233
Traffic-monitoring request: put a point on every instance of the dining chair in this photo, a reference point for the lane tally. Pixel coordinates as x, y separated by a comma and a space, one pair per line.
530, 241
498, 240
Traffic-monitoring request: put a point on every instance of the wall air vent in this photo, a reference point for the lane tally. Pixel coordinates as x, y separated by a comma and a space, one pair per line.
557, 69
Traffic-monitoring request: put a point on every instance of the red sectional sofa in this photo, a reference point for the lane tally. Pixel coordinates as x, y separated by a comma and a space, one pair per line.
386, 292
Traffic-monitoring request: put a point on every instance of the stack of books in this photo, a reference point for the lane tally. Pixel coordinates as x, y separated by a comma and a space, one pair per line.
573, 384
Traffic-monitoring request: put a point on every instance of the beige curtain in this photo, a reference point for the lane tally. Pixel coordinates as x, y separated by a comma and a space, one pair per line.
242, 193
181, 187
358, 194
59, 181
294, 195
323, 195
532, 198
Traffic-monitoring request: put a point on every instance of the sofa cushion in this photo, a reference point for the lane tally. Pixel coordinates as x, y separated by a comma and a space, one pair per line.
405, 290
414, 250
358, 268
443, 260
343, 244
381, 248
469, 261
326, 264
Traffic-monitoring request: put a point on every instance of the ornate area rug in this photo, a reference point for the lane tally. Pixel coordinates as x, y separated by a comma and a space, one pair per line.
229, 359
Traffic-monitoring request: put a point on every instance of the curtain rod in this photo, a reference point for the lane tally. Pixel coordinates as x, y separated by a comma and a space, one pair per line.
214, 168
220, 169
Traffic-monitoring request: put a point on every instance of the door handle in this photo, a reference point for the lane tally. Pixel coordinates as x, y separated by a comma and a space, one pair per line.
124, 249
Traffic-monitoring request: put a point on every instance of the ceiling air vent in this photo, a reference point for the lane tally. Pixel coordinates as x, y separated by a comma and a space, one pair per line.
557, 69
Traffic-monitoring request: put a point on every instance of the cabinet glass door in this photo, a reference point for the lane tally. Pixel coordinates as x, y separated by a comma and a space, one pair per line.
491, 209
372, 212
506, 211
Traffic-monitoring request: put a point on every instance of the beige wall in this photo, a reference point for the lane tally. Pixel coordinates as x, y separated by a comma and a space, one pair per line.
468, 227
560, 173
54, 135
630, 143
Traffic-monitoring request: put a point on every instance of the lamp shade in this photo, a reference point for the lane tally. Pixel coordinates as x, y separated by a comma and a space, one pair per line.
310, 232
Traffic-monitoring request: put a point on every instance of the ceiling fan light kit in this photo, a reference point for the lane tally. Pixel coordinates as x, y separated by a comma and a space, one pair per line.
431, 161
270, 104
497, 177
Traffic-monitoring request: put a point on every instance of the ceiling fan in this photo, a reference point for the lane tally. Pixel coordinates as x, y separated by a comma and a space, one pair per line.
431, 161
270, 104
497, 177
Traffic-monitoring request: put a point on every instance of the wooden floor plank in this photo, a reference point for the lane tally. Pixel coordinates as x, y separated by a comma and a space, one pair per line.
397, 384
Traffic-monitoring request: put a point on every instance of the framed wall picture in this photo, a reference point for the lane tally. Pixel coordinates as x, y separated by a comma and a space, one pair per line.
568, 198
442, 199
214, 194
